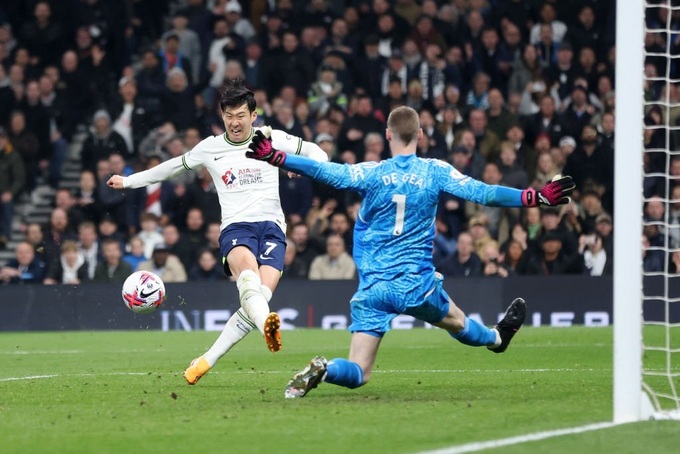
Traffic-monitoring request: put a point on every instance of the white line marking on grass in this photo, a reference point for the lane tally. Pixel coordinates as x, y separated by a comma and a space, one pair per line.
481, 445
41, 352
30, 377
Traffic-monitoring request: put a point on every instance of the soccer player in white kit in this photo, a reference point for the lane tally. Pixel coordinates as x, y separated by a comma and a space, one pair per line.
252, 239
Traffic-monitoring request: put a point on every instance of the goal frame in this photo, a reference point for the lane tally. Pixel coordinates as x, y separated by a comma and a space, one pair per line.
631, 403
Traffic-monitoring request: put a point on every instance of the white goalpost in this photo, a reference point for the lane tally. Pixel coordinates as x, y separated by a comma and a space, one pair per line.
646, 304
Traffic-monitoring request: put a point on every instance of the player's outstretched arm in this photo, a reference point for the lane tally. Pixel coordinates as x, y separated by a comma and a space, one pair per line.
161, 172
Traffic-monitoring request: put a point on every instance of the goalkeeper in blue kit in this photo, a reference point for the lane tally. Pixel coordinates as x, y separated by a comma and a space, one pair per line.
393, 239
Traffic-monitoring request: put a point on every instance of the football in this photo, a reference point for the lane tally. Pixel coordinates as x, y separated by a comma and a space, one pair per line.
143, 292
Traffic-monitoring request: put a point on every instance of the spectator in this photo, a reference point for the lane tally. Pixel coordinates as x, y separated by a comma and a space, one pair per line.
546, 47
149, 234
86, 196
591, 166
496, 220
201, 194
12, 180
492, 261
133, 116
37, 120
293, 267
108, 230
206, 268
512, 174
551, 259
64, 199
579, 113
432, 144
240, 25
653, 260
341, 225
189, 43
305, 251
135, 256
75, 85
464, 262
526, 69
561, 74
499, 118
150, 78
166, 266
526, 155
178, 100
25, 268
326, 91
212, 237
548, 15
596, 261
25, 143
514, 258
101, 142
88, 246
171, 57
112, 269
34, 236
545, 121
70, 269
44, 36
336, 263
545, 170
478, 97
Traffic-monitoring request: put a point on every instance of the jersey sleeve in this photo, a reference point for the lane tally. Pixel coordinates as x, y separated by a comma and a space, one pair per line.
190, 160
358, 177
290, 144
451, 181
285, 142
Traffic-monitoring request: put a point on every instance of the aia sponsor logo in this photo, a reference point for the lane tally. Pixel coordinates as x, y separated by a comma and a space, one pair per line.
229, 178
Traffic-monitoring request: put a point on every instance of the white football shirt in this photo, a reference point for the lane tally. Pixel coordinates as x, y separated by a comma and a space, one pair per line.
248, 189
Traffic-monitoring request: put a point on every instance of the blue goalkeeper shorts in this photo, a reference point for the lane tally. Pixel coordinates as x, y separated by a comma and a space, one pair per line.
265, 240
374, 308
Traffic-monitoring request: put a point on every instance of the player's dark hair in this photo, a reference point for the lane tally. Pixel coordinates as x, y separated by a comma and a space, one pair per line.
236, 94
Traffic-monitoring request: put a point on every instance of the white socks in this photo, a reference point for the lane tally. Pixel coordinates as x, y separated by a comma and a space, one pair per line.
237, 327
252, 301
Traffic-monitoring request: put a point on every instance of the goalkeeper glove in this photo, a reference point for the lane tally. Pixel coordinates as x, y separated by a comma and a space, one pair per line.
556, 192
262, 150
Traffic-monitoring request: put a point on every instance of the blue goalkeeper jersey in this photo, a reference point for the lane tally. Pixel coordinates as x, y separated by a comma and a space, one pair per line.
394, 231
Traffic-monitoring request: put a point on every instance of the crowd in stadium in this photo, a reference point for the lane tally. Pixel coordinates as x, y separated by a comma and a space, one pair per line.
510, 92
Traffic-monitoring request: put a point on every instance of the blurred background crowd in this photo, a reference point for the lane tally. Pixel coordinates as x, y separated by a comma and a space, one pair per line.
510, 92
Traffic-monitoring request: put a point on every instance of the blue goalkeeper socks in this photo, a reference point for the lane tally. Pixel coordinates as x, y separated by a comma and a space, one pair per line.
345, 373
475, 334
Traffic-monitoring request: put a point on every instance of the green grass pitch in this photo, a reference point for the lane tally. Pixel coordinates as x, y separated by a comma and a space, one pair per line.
114, 392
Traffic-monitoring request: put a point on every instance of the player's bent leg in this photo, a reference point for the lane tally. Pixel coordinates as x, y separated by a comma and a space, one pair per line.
242, 263
466, 330
510, 324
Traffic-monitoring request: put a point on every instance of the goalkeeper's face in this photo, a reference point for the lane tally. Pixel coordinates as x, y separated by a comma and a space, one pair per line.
238, 121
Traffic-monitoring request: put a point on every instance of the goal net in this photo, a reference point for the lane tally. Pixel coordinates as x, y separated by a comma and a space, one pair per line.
660, 333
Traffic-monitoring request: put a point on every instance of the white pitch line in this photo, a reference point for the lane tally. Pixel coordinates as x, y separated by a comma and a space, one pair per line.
481, 445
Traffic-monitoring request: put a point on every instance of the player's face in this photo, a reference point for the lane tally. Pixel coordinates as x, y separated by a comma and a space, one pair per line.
238, 121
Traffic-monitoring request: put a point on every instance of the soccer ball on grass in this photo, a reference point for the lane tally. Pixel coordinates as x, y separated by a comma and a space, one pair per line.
143, 292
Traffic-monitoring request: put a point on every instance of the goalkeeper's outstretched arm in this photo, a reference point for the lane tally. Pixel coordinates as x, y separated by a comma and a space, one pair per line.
161, 172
